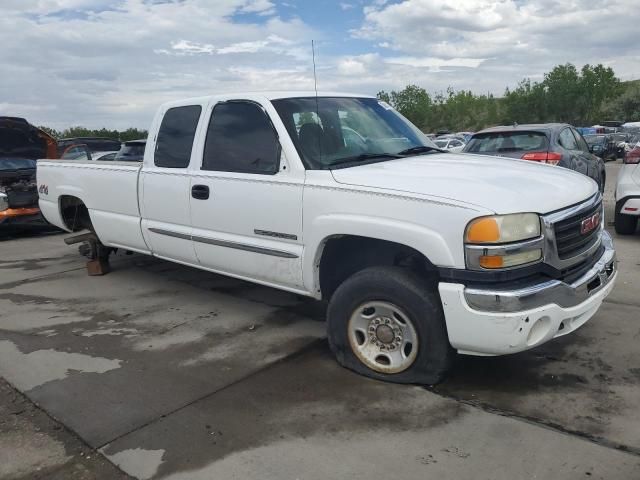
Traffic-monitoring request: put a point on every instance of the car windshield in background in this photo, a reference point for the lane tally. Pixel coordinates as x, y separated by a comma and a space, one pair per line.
594, 139
441, 143
131, 152
507, 142
335, 131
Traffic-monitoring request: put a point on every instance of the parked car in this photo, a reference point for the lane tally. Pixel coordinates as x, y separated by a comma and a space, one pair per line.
76, 152
94, 144
82, 152
601, 144
584, 131
551, 143
630, 143
465, 136
449, 144
419, 253
104, 156
132, 151
20, 145
627, 193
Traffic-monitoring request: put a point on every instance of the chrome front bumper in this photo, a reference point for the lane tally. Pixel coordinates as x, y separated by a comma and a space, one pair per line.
551, 292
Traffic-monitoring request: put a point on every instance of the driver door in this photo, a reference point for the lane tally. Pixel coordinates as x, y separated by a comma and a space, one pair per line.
246, 205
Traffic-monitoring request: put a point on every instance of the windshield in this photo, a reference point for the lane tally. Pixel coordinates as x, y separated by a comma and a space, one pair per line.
332, 131
507, 142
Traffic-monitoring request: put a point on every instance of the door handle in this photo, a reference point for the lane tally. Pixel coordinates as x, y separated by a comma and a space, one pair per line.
200, 192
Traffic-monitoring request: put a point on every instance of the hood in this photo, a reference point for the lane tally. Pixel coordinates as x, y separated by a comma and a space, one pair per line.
501, 185
16, 164
20, 139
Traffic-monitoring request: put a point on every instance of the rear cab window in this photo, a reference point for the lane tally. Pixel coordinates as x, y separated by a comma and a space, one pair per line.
527, 141
175, 137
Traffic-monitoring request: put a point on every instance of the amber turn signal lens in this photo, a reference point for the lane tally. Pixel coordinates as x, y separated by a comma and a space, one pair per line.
483, 230
491, 261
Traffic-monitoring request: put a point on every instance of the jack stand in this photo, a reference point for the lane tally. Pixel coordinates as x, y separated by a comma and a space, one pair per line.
97, 267
98, 254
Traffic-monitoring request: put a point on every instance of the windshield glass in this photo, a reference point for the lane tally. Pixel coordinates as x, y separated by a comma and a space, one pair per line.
331, 131
507, 142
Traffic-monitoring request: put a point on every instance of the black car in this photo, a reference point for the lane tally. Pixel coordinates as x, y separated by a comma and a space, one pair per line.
131, 151
553, 143
602, 145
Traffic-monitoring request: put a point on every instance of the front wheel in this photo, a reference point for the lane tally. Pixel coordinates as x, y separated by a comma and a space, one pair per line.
387, 323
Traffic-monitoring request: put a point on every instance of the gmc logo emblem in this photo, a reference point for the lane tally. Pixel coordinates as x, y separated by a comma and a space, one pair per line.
590, 223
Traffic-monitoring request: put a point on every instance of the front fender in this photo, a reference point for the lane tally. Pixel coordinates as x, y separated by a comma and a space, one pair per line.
426, 241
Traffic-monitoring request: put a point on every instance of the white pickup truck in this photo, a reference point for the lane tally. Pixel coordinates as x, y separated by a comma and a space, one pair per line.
420, 253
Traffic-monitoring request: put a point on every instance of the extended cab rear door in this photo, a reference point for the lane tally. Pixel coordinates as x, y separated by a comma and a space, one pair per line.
246, 200
165, 184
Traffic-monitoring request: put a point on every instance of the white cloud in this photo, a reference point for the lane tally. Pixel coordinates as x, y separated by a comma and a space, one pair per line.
435, 63
490, 44
112, 62
116, 65
261, 7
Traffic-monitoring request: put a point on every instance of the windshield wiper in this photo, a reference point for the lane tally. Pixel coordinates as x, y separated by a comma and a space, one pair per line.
420, 149
364, 157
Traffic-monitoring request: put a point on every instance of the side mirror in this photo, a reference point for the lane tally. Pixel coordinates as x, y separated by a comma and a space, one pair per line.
590, 148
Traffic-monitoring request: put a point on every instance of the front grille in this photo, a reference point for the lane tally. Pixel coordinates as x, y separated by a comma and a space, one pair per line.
571, 274
19, 198
570, 241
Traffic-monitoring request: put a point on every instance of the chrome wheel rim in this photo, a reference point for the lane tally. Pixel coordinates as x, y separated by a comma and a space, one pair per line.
383, 337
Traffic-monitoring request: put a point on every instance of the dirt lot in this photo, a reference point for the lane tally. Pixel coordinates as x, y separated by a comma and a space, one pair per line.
170, 372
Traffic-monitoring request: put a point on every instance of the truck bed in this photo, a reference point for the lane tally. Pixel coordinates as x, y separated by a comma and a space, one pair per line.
109, 190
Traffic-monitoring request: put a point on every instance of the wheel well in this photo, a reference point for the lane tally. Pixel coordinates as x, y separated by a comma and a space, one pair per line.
74, 212
345, 255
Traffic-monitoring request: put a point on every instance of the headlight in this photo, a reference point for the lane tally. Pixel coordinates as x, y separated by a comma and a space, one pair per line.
503, 228
4, 201
503, 241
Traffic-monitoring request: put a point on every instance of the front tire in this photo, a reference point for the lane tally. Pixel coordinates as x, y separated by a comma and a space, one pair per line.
387, 323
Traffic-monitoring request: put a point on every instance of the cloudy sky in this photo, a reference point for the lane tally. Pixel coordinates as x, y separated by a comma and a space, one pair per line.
111, 62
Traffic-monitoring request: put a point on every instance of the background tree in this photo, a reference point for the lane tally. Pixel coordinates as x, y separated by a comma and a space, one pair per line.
626, 106
120, 135
413, 102
598, 85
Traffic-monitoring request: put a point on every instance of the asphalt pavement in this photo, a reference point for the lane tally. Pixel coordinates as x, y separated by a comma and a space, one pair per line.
162, 371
